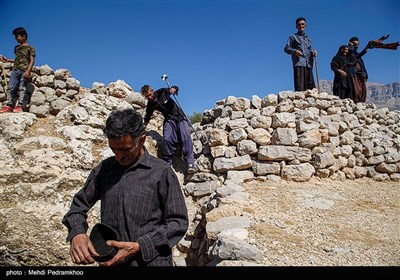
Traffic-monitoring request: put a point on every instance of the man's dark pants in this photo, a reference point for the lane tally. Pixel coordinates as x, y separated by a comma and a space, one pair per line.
177, 133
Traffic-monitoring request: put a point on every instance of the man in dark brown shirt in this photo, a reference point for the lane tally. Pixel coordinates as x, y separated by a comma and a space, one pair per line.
140, 196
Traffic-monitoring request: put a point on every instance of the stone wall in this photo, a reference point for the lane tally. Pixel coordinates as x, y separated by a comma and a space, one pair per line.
299, 135
381, 95
290, 135
53, 90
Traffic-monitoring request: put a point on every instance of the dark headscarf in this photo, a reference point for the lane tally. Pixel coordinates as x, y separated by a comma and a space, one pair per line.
339, 59
340, 50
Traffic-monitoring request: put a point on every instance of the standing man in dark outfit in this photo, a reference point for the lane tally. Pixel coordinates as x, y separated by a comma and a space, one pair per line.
176, 129
141, 199
358, 71
299, 47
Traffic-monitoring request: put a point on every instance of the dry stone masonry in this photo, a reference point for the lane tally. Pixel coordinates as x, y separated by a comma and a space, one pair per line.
293, 136
297, 135
47, 153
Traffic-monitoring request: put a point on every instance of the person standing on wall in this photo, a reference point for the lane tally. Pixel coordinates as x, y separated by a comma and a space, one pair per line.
17, 98
358, 70
342, 81
299, 47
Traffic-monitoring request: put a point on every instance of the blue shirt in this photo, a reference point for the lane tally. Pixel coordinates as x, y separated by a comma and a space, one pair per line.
302, 43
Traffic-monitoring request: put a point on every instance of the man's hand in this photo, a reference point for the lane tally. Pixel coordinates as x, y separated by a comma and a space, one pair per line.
3, 59
298, 53
126, 250
314, 53
81, 250
27, 75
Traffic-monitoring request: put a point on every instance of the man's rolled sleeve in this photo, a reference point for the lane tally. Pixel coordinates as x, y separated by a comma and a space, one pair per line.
147, 248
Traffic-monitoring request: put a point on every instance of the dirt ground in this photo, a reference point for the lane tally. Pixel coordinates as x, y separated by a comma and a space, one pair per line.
326, 223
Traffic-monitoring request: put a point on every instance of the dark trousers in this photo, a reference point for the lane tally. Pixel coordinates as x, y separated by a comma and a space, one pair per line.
175, 134
303, 78
359, 89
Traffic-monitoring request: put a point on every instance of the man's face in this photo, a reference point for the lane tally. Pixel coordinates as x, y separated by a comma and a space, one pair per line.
19, 38
301, 25
149, 94
127, 149
356, 44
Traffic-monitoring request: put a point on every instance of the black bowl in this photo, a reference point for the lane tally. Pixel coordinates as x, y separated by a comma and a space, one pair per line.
99, 235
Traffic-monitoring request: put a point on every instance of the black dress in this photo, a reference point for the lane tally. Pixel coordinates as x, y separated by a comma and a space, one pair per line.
342, 86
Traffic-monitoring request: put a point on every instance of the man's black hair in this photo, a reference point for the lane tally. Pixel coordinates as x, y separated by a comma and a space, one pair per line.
300, 19
352, 39
176, 88
144, 89
20, 31
124, 122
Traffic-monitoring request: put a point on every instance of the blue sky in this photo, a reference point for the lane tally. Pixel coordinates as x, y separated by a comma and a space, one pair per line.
210, 49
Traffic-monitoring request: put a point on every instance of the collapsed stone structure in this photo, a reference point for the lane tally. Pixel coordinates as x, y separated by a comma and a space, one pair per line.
291, 135
299, 135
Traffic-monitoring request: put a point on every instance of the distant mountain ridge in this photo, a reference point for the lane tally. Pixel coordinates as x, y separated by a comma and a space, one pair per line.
379, 94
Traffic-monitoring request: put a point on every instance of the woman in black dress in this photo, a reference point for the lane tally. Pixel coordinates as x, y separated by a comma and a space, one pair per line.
342, 82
